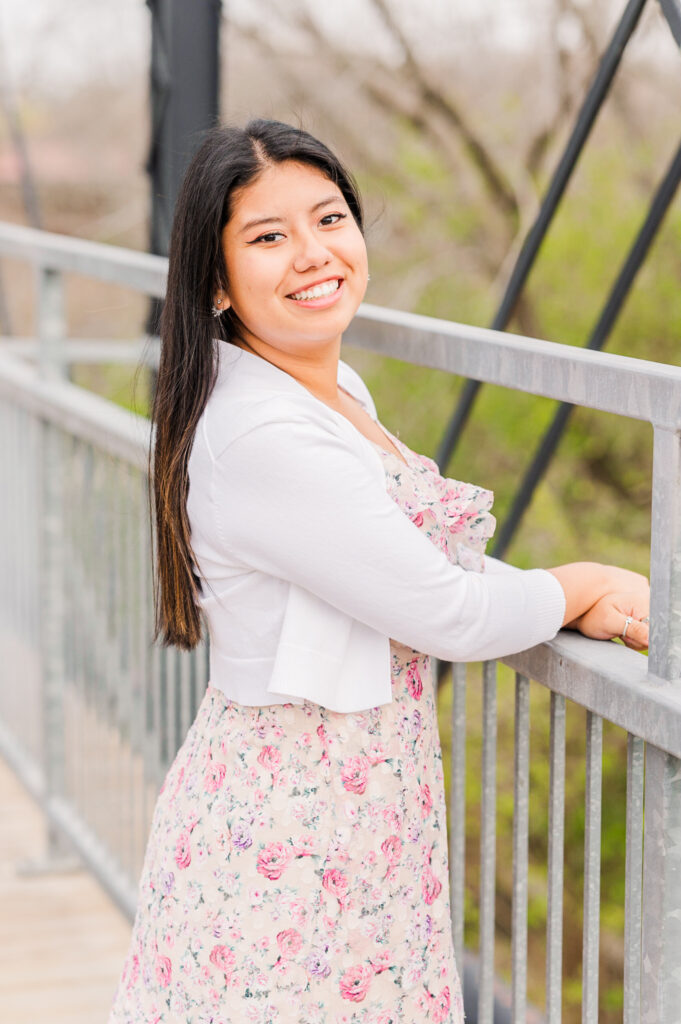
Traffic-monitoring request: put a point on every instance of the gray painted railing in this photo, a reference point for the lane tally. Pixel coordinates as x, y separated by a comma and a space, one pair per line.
91, 715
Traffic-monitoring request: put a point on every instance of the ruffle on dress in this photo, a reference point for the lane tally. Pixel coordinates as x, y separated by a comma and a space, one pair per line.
455, 515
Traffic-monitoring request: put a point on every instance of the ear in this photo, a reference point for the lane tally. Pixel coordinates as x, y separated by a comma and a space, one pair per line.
221, 301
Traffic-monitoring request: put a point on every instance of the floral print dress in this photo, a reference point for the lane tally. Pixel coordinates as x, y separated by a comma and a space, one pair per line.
296, 870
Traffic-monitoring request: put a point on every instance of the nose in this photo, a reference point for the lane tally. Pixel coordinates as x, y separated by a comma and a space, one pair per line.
310, 253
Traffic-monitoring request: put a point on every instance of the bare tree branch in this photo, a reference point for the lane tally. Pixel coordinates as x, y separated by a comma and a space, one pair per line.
491, 173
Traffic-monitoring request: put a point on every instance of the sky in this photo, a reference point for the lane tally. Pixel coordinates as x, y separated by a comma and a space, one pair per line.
60, 43
57, 45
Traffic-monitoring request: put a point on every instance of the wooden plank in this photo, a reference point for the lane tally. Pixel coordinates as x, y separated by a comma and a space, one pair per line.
63, 941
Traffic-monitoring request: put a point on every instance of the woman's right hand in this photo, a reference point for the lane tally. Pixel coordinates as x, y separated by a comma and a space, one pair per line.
586, 583
607, 619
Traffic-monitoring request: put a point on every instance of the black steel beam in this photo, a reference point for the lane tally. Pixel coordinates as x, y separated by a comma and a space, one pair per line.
672, 12
580, 133
185, 74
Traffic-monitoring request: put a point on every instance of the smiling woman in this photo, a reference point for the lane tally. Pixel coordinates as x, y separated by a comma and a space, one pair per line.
296, 871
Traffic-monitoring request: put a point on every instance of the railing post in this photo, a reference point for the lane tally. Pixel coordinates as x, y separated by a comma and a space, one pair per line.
661, 930
50, 314
51, 322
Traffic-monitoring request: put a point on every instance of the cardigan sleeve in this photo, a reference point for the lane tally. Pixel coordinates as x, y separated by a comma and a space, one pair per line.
296, 501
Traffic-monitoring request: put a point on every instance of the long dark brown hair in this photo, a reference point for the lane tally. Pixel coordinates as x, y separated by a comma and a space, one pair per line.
228, 159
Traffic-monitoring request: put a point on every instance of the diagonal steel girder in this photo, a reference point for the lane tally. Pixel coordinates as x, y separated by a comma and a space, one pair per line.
528, 253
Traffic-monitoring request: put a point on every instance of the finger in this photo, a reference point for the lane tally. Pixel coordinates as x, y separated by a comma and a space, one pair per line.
637, 635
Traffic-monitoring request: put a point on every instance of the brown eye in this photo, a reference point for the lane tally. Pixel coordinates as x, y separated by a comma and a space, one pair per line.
269, 236
332, 218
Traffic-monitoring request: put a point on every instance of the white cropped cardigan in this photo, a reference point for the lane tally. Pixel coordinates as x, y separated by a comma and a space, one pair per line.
307, 565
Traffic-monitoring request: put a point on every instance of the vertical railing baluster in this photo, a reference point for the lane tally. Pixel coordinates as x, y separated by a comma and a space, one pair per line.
115, 781
130, 616
52, 588
185, 688
457, 810
148, 663
51, 331
554, 913
661, 928
170, 717
488, 844
592, 867
633, 881
521, 799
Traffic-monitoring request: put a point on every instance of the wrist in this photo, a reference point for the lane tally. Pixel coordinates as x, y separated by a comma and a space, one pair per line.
583, 583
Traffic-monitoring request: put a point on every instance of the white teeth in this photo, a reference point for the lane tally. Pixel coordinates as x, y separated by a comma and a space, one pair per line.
319, 290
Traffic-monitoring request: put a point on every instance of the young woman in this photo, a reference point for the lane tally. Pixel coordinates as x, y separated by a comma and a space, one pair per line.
296, 871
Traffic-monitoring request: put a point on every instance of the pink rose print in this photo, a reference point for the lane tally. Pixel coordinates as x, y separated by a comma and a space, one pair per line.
354, 984
214, 777
355, 773
290, 942
426, 800
304, 846
270, 758
183, 853
417, 520
392, 848
440, 1008
414, 681
430, 886
335, 882
132, 971
163, 971
376, 754
223, 958
273, 859
381, 962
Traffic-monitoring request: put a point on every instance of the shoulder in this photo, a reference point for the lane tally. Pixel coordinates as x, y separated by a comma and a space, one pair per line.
253, 397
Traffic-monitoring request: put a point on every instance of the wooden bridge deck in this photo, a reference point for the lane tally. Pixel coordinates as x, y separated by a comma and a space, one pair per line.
62, 940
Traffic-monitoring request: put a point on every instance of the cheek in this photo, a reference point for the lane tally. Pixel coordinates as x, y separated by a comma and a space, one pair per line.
253, 286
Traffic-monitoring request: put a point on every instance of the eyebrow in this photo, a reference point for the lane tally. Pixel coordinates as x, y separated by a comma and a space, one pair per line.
258, 221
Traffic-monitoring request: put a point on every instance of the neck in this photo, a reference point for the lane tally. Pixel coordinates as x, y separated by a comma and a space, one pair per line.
316, 370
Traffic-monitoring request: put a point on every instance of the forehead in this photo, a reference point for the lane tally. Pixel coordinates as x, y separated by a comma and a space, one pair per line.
279, 187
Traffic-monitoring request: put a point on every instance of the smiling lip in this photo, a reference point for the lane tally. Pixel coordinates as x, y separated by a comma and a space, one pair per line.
324, 300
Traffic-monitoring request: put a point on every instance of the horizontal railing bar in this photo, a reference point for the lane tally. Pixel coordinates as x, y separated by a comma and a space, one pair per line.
611, 680
90, 417
636, 388
129, 268
89, 350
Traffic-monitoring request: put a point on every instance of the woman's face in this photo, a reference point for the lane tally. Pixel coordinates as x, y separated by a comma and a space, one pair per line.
296, 262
